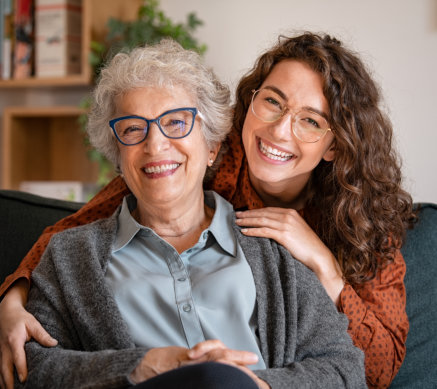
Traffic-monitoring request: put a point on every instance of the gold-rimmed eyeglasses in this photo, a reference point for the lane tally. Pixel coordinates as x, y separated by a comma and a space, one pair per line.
307, 126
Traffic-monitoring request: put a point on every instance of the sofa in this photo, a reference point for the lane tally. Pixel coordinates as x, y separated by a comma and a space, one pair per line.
23, 217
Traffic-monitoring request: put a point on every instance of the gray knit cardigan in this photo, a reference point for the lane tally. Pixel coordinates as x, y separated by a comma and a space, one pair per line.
303, 338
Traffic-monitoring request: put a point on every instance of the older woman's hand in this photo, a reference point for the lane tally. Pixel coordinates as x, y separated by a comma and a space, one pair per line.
163, 359
159, 360
216, 351
17, 326
289, 229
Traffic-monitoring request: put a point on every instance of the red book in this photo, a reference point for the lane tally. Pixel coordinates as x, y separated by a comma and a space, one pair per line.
23, 50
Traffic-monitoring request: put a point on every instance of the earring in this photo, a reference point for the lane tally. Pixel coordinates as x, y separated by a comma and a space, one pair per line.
211, 161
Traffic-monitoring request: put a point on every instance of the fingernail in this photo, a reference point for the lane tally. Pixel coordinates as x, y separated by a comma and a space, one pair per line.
244, 230
21, 377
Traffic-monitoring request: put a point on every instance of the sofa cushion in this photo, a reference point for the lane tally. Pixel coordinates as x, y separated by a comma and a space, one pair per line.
23, 217
420, 254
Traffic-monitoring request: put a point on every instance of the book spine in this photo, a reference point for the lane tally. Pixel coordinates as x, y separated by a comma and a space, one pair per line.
23, 50
58, 41
7, 39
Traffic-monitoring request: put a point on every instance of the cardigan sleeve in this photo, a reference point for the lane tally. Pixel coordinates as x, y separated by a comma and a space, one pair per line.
101, 206
378, 323
70, 300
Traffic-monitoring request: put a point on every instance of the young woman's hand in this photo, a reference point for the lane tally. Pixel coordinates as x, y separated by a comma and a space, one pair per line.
289, 229
17, 326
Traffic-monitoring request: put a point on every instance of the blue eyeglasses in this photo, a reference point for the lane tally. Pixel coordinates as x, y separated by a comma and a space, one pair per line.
173, 124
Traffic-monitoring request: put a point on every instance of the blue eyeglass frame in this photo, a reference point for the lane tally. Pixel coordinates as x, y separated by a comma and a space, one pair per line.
193, 110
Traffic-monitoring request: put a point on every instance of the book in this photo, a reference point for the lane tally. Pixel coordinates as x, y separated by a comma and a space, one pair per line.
23, 45
6, 41
2, 31
58, 37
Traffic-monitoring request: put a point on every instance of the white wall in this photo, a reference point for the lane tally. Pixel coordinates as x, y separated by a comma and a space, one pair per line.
396, 38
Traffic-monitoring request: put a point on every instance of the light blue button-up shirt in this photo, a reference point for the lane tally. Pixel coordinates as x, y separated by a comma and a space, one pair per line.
171, 299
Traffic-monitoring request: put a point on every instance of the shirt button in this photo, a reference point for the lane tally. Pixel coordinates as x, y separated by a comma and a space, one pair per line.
182, 279
187, 308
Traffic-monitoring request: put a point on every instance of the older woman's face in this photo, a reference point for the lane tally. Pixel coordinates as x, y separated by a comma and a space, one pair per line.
161, 170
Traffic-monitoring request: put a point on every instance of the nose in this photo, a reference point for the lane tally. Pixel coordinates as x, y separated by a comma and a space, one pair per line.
281, 129
155, 141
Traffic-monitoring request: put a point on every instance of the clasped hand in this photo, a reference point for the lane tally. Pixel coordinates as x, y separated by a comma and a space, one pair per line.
161, 360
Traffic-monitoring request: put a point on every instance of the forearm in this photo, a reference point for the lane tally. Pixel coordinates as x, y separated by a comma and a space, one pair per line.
380, 335
107, 368
330, 276
17, 294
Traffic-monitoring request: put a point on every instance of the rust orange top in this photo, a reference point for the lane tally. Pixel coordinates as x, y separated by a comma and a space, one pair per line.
378, 323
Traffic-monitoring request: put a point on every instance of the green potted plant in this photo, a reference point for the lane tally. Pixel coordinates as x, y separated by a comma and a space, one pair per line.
150, 26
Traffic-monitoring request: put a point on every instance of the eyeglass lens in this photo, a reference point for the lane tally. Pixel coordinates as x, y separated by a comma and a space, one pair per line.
269, 107
172, 124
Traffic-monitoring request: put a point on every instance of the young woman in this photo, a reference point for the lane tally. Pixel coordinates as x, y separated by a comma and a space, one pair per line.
311, 160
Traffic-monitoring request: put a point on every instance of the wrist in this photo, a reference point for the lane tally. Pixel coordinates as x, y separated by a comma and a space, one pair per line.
17, 294
144, 369
331, 277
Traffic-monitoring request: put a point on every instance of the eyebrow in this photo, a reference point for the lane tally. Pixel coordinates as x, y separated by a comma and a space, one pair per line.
284, 96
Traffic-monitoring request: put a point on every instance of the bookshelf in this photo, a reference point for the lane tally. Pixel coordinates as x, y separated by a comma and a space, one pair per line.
95, 14
44, 144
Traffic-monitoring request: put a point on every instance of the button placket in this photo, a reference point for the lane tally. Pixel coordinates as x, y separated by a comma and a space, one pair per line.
184, 300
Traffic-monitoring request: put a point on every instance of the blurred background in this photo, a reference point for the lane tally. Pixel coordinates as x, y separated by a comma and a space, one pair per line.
397, 39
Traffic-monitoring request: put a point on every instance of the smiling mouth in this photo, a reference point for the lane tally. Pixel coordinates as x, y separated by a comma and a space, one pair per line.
273, 153
161, 168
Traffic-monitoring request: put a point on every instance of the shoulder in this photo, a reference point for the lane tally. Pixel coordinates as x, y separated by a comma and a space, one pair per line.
94, 240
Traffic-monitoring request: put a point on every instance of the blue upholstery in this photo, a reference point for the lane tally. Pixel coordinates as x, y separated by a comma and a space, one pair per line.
23, 218
419, 369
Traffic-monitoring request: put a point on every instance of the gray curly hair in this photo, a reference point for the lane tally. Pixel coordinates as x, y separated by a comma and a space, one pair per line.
165, 64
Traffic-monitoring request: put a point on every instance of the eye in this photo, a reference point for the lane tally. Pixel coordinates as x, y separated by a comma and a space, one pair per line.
176, 122
273, 101
132, 129
310, 121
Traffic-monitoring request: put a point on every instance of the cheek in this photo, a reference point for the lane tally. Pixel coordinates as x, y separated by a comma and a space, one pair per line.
246, 134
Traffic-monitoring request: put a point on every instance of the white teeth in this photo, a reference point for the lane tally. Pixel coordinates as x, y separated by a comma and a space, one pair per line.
274, 154
161, 168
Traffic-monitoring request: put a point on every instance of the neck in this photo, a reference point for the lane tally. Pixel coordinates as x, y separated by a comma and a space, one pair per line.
178, 224
283, 195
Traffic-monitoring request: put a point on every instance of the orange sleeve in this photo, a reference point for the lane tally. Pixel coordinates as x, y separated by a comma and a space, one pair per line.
378, 323
101, 205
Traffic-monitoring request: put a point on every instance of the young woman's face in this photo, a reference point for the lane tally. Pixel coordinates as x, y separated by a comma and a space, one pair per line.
279, 162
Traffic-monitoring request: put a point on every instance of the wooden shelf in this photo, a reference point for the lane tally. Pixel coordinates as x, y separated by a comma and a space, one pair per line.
44, 144
95, 15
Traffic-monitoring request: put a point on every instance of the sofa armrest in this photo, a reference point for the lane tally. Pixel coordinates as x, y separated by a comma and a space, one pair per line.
23, 217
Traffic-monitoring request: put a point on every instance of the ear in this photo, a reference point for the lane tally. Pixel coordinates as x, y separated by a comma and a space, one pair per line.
213, 154
330, 153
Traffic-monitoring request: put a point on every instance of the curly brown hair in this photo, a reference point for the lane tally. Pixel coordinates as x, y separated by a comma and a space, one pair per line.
355, 204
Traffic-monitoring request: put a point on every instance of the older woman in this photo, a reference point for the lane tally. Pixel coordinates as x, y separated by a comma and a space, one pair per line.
168, 280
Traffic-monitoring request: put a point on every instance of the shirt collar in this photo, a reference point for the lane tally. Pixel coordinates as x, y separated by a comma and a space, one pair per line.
222, 222
128, 227
220, 227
